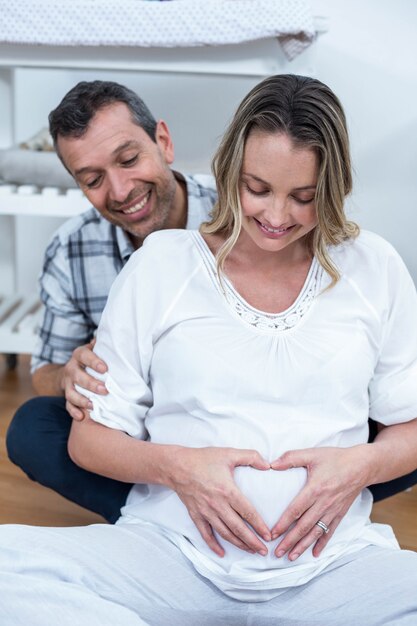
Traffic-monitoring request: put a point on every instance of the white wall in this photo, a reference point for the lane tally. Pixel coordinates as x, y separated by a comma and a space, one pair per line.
369, 58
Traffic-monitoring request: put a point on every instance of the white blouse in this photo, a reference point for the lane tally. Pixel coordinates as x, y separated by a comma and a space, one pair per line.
193, 364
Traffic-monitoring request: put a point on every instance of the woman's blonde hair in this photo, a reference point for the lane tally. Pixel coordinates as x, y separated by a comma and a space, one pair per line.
311, 115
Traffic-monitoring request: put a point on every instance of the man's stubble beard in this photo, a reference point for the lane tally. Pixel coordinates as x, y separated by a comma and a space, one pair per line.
157, 220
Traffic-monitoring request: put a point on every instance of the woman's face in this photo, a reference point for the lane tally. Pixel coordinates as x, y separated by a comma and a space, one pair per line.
277, 189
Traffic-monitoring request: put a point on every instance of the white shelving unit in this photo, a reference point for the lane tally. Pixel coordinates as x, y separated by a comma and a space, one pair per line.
42, 201
19, 319
20, 313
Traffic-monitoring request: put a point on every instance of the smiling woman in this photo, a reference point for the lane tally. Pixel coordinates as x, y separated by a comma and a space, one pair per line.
278, 190
242, 369
313, 130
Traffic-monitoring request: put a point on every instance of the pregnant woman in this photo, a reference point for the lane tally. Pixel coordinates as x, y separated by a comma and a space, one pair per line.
240, 357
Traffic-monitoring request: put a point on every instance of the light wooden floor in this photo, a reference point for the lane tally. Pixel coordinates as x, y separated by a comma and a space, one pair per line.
25, 502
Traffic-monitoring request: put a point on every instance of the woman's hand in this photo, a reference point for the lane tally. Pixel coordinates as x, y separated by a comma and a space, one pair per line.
336, 476
74, 373
203, 479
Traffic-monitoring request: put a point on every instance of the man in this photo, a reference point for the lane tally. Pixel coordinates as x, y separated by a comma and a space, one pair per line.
120, 157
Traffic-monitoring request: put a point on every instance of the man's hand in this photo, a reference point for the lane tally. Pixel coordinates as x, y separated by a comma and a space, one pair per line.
336, 476
74, 373
203, 479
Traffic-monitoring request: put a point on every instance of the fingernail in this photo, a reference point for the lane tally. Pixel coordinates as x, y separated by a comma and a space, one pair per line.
294, 556
275, 535
280, 553
263, 552
90, 405
267, 537
101, 388
101, 368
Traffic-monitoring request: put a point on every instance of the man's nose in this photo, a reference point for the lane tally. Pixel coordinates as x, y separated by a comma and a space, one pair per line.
118, 185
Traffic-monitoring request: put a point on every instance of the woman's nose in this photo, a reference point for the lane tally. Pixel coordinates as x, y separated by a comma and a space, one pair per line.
278, 211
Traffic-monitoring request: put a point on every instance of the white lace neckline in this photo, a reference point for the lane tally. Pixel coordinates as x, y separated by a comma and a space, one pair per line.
276, 322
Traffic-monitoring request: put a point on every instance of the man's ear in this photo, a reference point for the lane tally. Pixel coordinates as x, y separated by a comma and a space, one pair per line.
164, 141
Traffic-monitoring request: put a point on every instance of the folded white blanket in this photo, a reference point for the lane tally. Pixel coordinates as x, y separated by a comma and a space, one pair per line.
30, 167
158, 24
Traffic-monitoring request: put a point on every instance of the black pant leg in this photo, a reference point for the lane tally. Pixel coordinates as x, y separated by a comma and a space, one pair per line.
37, 442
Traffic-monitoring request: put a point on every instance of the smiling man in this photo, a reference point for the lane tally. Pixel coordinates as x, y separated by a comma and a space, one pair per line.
120, 157
125, 172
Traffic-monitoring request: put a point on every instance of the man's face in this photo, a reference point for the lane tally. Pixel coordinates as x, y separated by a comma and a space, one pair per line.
125, 174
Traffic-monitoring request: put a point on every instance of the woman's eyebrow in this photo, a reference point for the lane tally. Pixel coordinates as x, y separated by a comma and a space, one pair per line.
260, 180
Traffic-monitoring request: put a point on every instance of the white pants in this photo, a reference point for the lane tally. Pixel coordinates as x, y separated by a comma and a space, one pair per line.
132, 576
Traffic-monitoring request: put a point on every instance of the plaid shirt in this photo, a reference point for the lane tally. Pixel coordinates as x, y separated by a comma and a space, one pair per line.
81, 262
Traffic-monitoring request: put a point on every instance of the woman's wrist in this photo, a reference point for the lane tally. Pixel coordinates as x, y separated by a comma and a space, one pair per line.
169, 464
371, 462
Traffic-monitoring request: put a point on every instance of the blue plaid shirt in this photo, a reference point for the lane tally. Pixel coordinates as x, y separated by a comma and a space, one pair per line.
81, 262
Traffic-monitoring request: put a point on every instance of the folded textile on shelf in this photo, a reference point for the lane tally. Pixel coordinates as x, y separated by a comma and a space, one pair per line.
34, 162
178, 23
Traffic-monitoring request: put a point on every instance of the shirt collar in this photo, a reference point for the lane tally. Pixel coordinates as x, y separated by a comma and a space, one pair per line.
124, 244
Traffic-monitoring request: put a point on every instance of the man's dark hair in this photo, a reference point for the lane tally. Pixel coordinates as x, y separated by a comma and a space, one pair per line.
76, 110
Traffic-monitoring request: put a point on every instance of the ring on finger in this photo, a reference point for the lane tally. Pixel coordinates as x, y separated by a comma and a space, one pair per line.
323, 526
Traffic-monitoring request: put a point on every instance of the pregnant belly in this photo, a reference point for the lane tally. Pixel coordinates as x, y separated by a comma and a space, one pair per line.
270, 491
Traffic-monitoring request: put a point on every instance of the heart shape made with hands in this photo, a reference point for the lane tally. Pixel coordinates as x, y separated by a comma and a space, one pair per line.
270, 491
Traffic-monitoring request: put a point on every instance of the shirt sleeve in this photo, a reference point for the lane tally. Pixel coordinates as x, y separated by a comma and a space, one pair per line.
393, 388
124, 342
64, 326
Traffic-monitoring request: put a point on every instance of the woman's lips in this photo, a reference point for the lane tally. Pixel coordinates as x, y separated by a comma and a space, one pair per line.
274, 233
